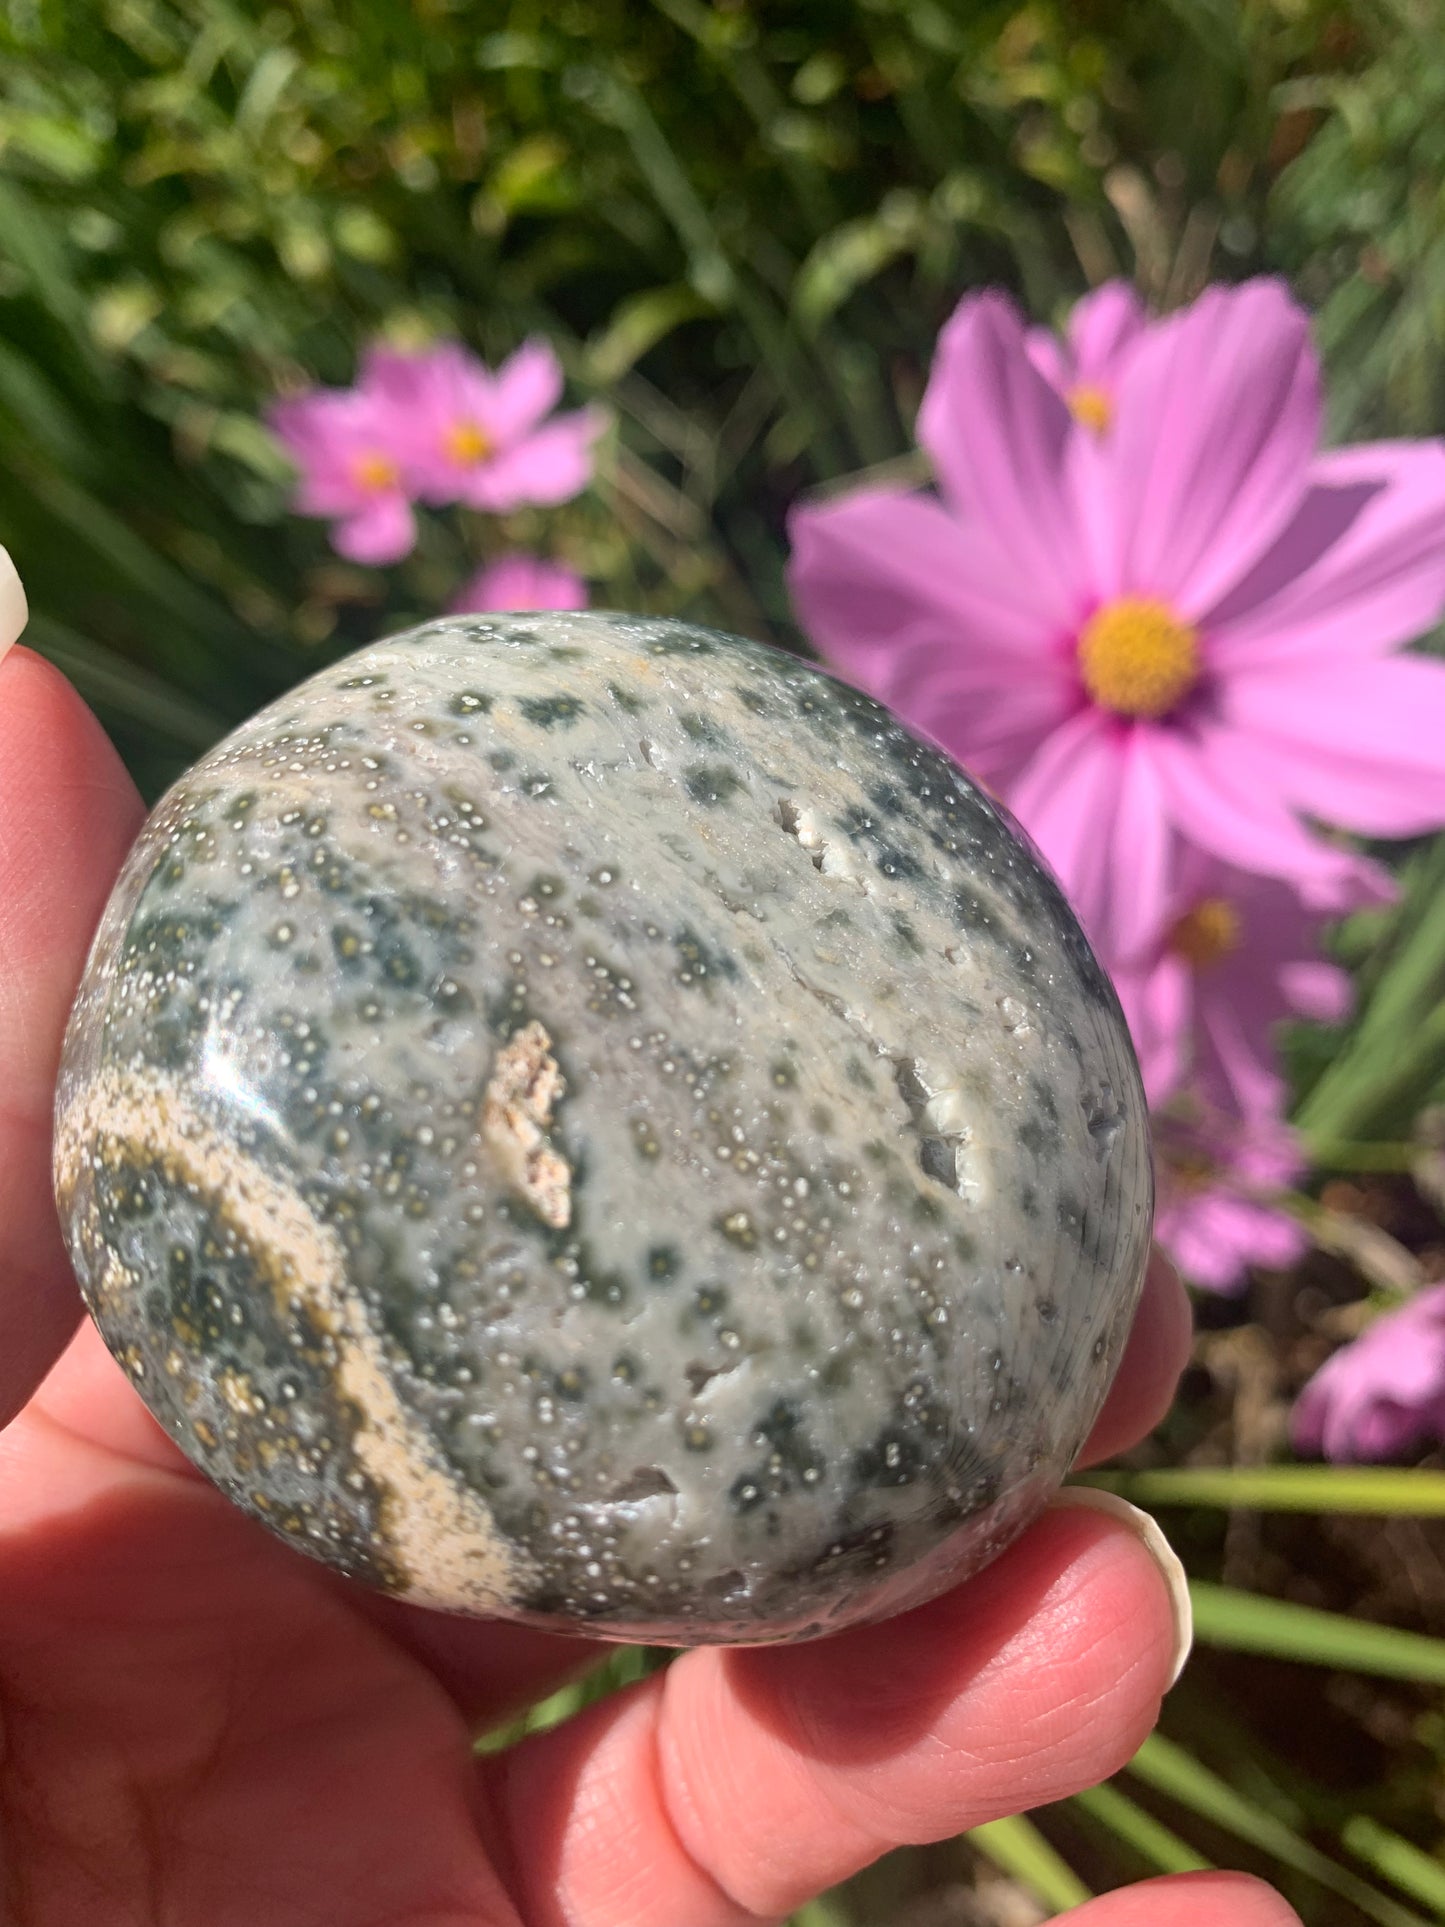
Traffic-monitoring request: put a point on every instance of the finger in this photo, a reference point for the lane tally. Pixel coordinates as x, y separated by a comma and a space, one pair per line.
68, 813
89, 1396
490, 1669
1188, 1900
739, 1782
1157, 1352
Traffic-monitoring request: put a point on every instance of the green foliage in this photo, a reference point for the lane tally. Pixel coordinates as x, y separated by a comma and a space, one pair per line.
1360, 213
1374, 1489
741, 225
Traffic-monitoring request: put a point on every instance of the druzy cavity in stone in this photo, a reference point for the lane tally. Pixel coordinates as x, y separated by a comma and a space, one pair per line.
586, 1119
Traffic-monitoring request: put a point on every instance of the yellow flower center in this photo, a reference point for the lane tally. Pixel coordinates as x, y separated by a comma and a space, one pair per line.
375, 472
467, 444
1211, 930
1090, 405
1137, 658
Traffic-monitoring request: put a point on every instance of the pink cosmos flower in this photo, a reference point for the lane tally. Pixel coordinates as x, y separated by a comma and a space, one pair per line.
1176, 617
1086, 365
482, 438
1217, 1177
349, 446
520, 581
1235, 955
1383, 1395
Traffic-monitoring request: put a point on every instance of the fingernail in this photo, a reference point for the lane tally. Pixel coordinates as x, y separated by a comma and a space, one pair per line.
14, 610
1147, 1530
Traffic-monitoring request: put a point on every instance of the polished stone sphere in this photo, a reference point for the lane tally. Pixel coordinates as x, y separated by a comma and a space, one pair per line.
581, 1118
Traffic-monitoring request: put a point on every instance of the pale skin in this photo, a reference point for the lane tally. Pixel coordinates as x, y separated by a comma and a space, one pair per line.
199, 1728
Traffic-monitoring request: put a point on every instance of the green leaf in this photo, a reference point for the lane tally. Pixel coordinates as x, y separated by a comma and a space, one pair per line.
30, 241
1414, 1872
841, 262
1172, 1771
1381, 1490
828, 1911
42, 414
1395, 1053
1244, 1622
1017, 1846
92, 528
527, 178
638, 324
110, 684
1155, 1843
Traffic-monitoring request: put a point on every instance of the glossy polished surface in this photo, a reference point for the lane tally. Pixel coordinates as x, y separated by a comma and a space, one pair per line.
583, 1118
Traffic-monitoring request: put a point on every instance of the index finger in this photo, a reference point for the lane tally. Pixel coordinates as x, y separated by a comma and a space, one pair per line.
68, 813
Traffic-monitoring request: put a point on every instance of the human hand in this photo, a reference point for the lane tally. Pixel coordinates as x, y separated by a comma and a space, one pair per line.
198, 1728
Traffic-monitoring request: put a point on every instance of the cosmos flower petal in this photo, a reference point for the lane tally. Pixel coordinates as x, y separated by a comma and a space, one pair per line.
1217, 418
1158, 1004
551, 465
1102, 329
334, 436
395, 377
1356, 743
1204, 1246
998, 434
1267, 969
520, 581
1235, 1065
882, 561
1267, 1237
1317, 990
1359, 570
383, 531
1143, 846
1219, 1237
1050, 356
990, 723
1382, 1395
295, 422
527, 386
318, 432
1065, 798
1219, 796
327, 489
1216, 1215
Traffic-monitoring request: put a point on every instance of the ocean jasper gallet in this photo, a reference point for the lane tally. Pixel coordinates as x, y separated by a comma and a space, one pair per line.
586, 1119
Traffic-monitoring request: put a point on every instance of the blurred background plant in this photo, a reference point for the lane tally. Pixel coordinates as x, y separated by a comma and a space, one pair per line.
741, 229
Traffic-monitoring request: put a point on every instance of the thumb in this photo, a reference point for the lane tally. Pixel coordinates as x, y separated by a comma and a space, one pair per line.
68, 813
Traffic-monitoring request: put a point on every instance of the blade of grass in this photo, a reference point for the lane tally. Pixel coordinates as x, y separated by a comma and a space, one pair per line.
1403, 971
1418, 1874
624, 1667
110, 683
1382, 1490
751, 81
1243, 1622
1172, 1771
712, 273
1155, 1843
31, 242
1361, 1154
1396, 1052
94, 528
1017, 1847
823, 1912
